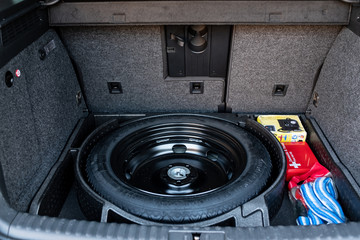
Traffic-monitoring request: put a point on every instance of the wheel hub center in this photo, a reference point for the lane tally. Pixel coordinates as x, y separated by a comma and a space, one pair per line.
178, 172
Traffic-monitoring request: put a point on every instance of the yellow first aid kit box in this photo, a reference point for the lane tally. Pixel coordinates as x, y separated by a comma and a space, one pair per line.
286, 128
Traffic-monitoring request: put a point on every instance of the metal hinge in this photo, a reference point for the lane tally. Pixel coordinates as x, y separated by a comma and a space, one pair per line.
316, 98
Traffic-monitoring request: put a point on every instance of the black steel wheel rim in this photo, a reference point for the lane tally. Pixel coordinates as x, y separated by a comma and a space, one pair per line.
177, 159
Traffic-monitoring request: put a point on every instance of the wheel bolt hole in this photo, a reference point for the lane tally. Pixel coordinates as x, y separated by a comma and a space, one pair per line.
179, 148
213, 156
128, 175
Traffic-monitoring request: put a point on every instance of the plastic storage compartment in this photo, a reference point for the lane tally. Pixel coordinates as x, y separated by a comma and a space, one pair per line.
271, 207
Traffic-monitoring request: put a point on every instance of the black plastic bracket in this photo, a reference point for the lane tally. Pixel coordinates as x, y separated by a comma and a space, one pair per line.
196, 87
196, 235
224, 108
115, 87
354, 24
197, 50
280, 90
248, 215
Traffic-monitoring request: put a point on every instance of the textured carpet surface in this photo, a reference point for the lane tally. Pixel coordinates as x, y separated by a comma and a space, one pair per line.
38, 113
267, 55
134, 57
338, 111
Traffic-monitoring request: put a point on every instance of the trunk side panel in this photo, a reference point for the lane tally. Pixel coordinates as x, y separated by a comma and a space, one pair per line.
38, 115
338, 111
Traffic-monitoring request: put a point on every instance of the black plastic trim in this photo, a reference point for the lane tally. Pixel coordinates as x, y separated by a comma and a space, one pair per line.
24, 38
10, 8
354, 24
51, 195
26, 226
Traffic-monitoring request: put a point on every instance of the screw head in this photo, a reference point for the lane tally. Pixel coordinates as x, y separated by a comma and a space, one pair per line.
42, 54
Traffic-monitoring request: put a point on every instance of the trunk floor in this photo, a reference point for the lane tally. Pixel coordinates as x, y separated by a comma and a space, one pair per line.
71, 208
286, 215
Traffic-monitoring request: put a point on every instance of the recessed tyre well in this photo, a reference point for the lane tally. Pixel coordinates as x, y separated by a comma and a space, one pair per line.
178, 169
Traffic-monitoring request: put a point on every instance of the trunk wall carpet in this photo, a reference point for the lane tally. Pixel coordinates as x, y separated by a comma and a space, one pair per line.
338, 110
134, 56
263, 56
38, 113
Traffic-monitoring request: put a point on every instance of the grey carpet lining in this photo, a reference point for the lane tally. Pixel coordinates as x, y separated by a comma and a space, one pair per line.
18, 139
267, 55
40, 111
134, 57
39, 114
338, 111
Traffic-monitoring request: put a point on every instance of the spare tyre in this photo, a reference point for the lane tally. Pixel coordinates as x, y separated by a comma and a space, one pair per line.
178, 169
